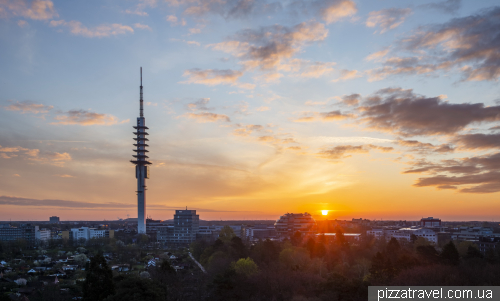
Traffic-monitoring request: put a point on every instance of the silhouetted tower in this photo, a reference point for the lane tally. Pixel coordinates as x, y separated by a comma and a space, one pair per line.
141, 167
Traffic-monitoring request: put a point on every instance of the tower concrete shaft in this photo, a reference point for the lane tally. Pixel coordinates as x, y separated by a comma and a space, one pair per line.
141, 166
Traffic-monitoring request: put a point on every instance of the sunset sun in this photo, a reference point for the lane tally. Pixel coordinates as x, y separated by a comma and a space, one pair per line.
324, 212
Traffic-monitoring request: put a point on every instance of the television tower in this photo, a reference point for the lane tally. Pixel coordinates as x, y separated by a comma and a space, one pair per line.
141, 166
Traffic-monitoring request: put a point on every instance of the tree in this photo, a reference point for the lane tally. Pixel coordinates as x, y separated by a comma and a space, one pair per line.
450, 255
81, 259
393, 248
245, 266
136, 289
473, 252
226, 234
99, 280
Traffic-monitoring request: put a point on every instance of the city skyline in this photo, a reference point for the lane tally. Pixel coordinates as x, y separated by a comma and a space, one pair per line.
379, 110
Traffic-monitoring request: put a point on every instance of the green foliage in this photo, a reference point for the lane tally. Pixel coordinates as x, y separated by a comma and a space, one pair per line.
98, 282
226, 234
246, 267
294, 258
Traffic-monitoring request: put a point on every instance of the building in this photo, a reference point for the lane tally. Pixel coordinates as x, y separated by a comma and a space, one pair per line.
430, 222
473, 233
293, 222
85, 233
330, 237
260, 232
141, 166
182, 232
486, 243
186, 225
404, 233
54, 219
25, 232
43, 235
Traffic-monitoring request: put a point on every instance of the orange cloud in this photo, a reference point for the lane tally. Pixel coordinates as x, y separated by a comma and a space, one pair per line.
324, 116
208, 117
29, 107
85, 118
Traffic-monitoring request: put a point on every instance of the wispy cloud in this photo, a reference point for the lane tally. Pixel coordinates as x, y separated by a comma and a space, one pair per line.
322, 116
100, 31
208, 117
35, 10
345, 151
29, 107
86, 118
388, 19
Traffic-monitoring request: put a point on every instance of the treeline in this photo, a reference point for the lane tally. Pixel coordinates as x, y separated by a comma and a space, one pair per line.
316, 268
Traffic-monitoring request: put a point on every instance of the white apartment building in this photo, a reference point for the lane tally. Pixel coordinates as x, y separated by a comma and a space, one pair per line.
88, 233
43, 234
405, 233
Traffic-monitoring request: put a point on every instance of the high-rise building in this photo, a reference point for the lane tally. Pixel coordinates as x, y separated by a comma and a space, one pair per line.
54, 219
141, 166
182, 232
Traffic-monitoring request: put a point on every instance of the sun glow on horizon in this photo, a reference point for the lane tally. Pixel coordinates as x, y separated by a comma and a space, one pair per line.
324, 212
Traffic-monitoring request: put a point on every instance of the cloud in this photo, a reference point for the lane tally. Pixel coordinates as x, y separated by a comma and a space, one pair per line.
405, 113
228, 9
467, 175
100, 31
270, 48
208, 117
329, 10
212, 77
22, 23
29, 107
85, 118
478, 141
448, 6
140, 7
323, 116
351, 100
377, 55
466, 45
388, 19
54, 158
36, 10
262, 109
347, 75
342, 151
245, 130
424, 148
142, 26
199, 105
64, 176
307, 69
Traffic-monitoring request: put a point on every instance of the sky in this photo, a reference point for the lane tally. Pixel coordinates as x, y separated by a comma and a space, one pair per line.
377, 109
